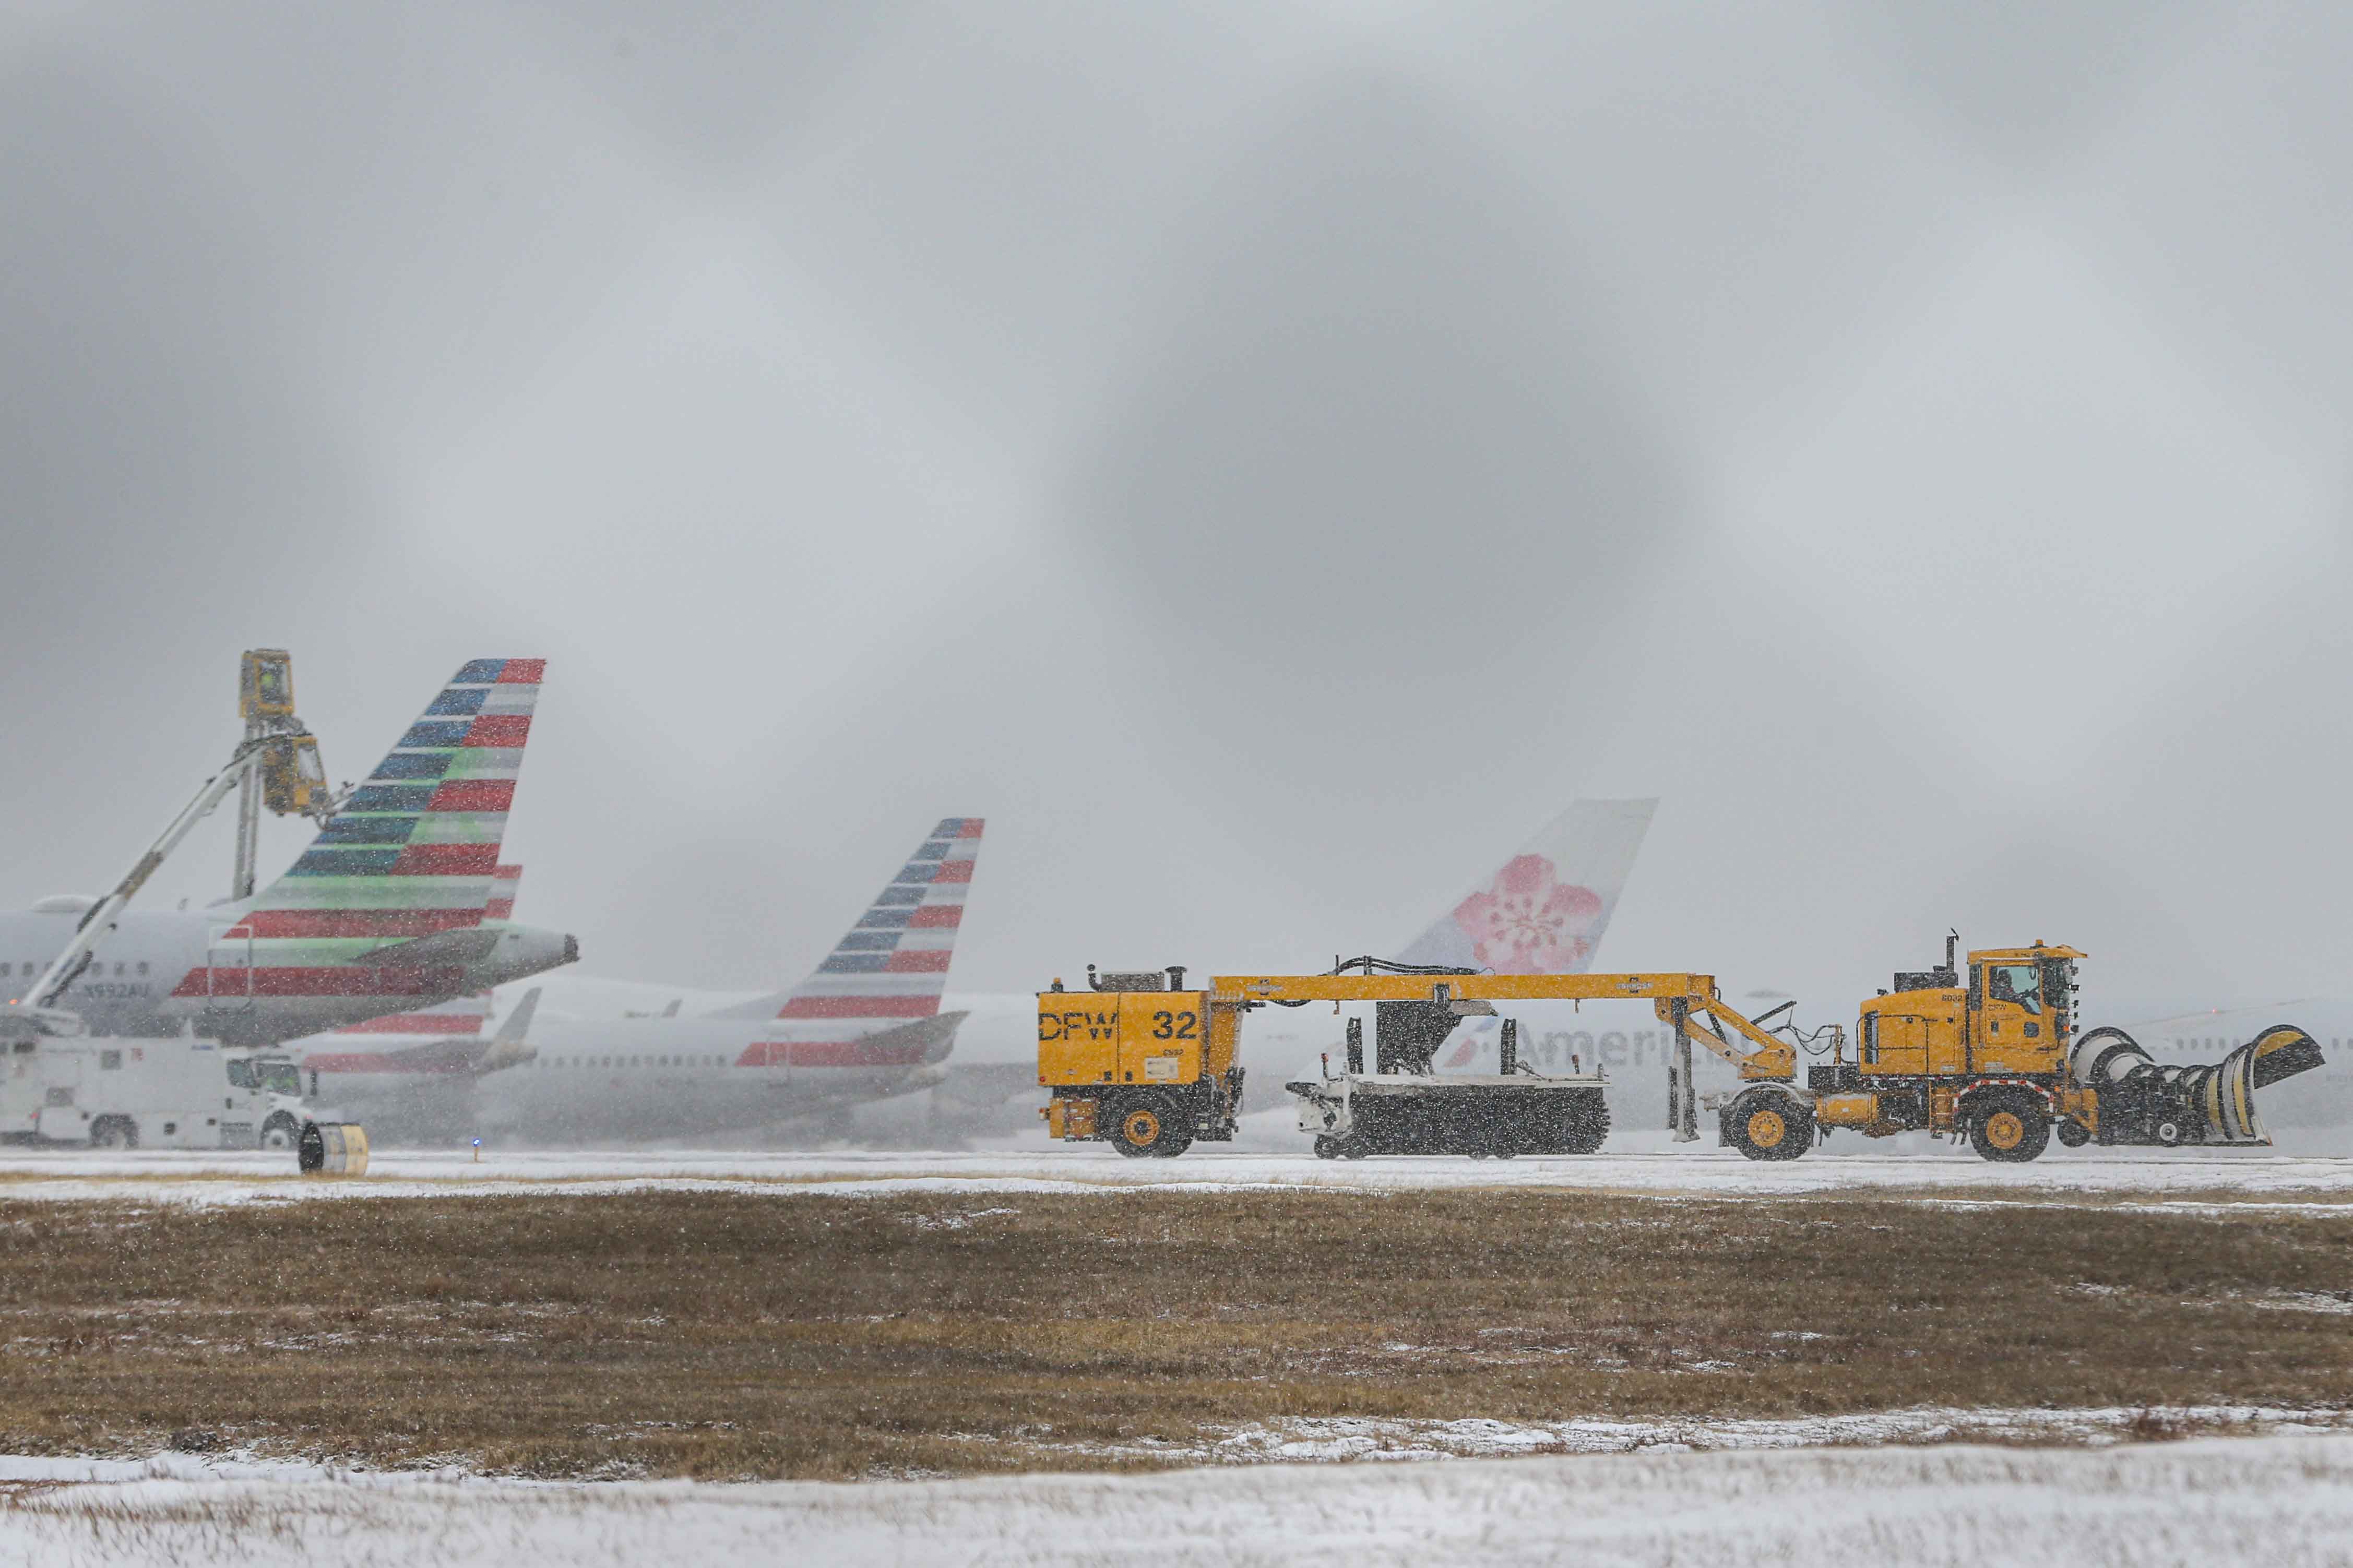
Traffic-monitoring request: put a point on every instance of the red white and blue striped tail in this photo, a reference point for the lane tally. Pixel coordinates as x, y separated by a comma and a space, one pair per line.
415, 851
891, 967
506, 881
460, 1017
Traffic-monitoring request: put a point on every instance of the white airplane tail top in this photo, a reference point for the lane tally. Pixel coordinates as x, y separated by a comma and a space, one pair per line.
875, 998
1544, 911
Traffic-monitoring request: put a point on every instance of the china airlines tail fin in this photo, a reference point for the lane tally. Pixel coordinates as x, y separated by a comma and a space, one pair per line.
1544, 911
415, 851
875, 1000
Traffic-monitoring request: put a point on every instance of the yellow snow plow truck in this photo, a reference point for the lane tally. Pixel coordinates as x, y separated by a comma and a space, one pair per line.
1998, 1056
1139, 1061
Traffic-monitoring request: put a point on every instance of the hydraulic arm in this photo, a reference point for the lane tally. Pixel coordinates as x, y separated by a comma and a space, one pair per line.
277, 765
1150, 1071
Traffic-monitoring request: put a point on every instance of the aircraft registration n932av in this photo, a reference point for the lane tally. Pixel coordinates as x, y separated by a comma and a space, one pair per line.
865, 1025
386, 911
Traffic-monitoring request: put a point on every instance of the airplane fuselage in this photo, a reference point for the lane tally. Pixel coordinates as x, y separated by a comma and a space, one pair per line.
622, 1078
163, 971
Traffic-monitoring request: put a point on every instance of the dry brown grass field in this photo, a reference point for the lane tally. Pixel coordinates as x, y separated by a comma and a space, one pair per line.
755, 1335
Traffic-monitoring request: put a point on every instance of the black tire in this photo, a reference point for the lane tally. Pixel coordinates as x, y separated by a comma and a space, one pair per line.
1766, 1124
284, 1128
112, 1132
1327, 1147
1150, 1127
2073, 1134
2008, 1130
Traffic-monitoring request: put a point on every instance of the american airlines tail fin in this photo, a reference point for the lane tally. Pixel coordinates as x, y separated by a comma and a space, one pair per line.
506, 881
460, 1017
414, 854
1545, 910
893, 963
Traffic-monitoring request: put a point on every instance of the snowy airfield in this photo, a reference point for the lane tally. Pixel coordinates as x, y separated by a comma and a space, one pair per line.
1923, 1486
1634, 1164
2286, 1500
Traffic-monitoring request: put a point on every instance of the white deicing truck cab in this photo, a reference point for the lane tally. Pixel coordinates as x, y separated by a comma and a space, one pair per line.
171, 1093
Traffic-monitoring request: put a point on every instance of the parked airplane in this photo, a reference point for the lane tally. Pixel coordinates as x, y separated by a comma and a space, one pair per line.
388, 912
866, 1023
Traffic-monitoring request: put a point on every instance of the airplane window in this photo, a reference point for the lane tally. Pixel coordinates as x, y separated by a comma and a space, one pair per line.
143, 967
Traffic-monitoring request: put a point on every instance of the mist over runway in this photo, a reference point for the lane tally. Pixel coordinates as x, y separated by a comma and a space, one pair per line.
1907, 439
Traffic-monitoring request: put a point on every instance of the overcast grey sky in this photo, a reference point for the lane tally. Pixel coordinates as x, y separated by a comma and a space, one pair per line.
1266, 458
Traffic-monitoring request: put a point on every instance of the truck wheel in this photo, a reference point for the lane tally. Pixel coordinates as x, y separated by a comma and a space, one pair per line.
1150, 1127
109, 1132
1327, 1147
2012, 1129
1765, 1125
277, 1133
2074, 1134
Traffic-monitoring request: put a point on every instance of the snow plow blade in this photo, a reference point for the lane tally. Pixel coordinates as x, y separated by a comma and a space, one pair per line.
2142, 1102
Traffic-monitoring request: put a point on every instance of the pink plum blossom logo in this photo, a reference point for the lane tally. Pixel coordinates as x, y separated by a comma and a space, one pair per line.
1529, 922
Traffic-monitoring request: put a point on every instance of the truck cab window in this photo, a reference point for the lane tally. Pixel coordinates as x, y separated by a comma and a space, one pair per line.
240, 1074
2018, 983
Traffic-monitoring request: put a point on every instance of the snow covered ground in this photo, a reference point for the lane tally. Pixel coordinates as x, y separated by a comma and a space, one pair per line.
1656, 1167
2285, 1501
